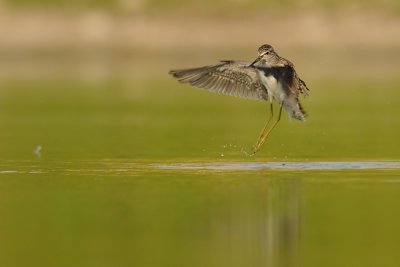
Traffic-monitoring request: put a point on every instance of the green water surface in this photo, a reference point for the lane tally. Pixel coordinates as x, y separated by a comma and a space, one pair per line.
93, 194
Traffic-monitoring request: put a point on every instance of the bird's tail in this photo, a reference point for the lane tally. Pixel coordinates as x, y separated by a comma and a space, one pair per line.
300, 114
296, 111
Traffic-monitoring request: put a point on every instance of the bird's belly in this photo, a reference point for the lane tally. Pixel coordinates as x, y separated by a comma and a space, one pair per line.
274, 88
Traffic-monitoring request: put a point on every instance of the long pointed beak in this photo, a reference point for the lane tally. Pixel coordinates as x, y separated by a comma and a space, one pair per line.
255, 61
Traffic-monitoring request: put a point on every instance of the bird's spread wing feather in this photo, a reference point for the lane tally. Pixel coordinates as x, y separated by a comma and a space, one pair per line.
303, 87
298, 83
229, 77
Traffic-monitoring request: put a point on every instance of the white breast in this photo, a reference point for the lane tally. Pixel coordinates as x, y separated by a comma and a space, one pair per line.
274, 88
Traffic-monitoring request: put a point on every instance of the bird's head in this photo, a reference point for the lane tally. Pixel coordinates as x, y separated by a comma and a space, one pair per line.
265, 52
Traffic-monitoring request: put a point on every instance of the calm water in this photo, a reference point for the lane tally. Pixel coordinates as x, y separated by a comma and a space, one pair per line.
154, 174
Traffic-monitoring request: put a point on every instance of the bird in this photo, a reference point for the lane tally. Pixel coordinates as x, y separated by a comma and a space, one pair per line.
269, 77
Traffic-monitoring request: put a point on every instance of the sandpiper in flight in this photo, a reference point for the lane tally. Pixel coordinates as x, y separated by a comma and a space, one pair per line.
269, 77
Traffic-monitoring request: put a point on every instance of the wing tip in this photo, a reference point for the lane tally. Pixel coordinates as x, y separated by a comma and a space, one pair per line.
177, 74
173, 73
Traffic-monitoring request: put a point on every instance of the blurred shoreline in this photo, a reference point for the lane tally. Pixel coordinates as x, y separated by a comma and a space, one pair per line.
36, 43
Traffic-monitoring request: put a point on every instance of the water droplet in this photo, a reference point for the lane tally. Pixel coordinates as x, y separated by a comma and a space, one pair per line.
38, 151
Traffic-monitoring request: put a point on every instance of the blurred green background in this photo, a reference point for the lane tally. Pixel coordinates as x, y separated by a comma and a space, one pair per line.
88, 112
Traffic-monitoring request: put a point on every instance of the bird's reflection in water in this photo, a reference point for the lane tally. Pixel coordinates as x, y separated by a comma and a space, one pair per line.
260, 229
283, 223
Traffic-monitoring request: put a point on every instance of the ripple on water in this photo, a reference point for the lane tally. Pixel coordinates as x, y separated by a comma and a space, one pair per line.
246, 166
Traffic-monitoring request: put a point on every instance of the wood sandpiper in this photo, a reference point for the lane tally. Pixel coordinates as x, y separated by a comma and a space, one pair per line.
269, 77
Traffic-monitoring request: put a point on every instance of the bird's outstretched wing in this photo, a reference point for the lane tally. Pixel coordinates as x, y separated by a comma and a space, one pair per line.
229, 77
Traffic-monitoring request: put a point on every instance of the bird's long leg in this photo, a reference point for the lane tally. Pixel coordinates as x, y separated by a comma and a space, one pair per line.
265, 126
264, 137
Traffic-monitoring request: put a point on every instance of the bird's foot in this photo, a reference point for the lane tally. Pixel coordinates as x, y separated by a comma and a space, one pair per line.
248, 153
255, 149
